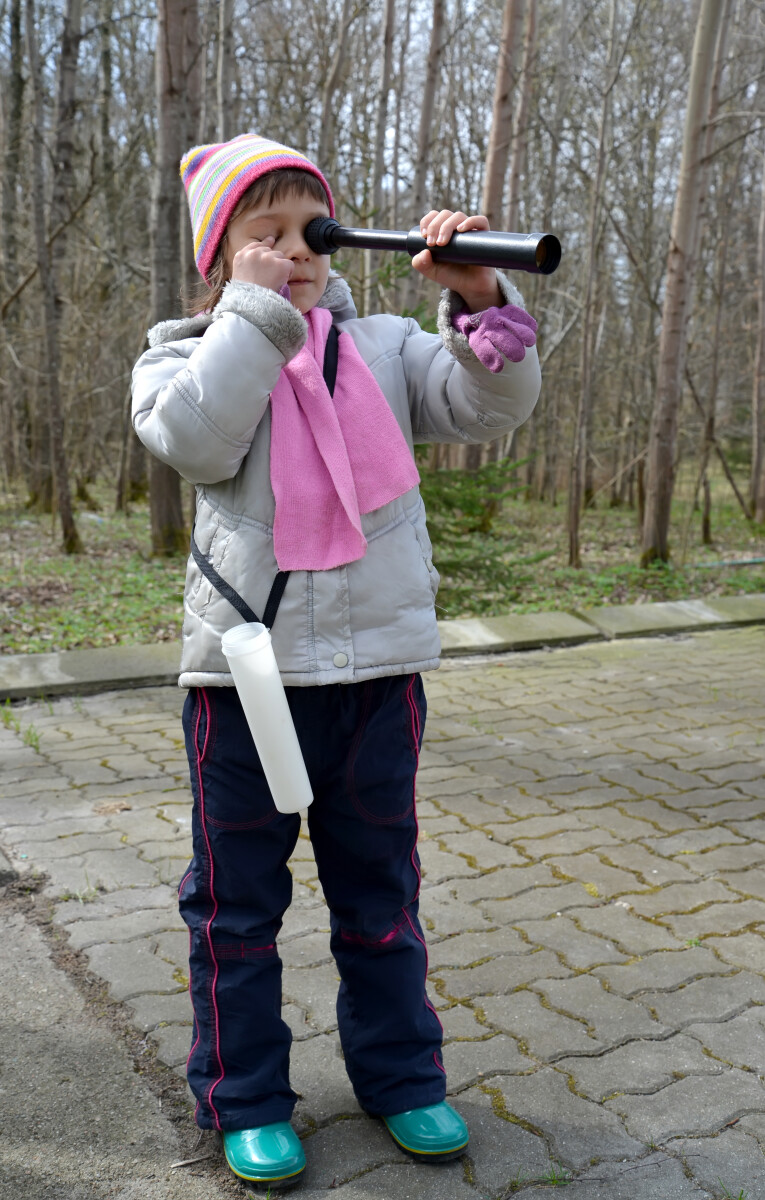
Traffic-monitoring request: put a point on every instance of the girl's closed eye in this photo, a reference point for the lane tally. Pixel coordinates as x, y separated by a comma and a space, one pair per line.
259, 234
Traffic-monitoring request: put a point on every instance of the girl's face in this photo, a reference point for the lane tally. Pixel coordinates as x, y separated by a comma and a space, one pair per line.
285, 221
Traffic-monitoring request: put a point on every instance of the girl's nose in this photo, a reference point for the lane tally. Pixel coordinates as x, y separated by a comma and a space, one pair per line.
296, 246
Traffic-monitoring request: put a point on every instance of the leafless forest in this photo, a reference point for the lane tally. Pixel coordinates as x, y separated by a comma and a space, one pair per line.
634, 129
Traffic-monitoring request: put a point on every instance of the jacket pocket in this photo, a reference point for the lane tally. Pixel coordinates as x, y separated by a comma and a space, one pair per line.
416, 518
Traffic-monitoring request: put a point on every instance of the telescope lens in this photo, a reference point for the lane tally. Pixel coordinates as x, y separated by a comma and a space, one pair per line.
547, 255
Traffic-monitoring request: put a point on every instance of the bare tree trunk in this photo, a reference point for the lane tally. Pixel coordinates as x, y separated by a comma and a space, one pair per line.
168, 534
709, 437
399, 109
580, 449
386, 70
548, 476
706, 515
679, 290
326, 154
63, 153
399, 94
192, 89
105, 120
225, 68
502, 110
424, 137
46, 260
548, 488
12, 155
432, 77
13, 400
758, 389
520, 118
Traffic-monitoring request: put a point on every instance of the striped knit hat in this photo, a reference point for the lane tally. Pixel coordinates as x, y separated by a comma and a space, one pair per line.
216, 176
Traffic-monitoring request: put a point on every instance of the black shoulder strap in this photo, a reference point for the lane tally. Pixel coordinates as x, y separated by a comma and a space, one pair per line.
330, 359
275, 598
218, 582
280, 581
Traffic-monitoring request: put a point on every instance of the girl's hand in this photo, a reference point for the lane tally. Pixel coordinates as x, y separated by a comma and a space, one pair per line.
258, 262
477, 285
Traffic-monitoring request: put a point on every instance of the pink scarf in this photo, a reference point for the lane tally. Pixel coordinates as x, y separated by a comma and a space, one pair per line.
332, 457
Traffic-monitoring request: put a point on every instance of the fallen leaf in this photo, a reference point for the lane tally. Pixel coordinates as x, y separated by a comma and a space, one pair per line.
111, 806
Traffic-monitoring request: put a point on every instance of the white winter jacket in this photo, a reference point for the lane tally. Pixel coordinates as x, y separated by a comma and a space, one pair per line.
200, 403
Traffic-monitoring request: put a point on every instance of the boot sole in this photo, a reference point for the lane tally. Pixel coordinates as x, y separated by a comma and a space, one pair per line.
283, 1181
430, 1156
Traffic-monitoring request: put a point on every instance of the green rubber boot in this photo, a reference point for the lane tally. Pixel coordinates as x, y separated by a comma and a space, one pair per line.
433, 1134
268, 1154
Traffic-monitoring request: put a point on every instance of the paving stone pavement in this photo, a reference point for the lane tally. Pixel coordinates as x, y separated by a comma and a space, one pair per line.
593, 848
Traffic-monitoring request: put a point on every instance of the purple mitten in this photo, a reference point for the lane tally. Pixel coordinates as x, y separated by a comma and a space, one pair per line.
496, 332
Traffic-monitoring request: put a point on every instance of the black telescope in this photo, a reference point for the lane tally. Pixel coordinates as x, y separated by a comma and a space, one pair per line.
538, 253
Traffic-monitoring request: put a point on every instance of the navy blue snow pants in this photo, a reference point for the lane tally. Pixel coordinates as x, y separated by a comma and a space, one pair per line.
361, 744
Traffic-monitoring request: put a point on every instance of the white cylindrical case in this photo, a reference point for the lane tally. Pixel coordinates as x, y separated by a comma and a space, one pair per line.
252, 663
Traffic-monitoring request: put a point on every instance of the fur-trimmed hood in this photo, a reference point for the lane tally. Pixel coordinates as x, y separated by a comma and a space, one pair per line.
336, 297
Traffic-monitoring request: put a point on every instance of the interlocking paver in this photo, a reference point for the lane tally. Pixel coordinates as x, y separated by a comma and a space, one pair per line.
511, 881
725, 858
741, 950
469, 1062
443, 913
502, 1152
686, 1107
740, 1041
150, 1010
106, 869
539, 902
630, 933
569, 841
122, 928
656, 1177
655, 871
680, 898
548, 1035
412, 1181
461, 1023
578, 949
501, 975
343, 1152
593, 852
745, 883
611, 1019
717, 919
715, 999
663, 970
481, 848
573, 1125
732, 1158
594, 873
616, 820
467, 949
693, 840
536, 828
173, 1043
639, 1066
134, 968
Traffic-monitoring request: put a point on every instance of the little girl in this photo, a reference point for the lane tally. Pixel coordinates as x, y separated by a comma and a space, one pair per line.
299, 471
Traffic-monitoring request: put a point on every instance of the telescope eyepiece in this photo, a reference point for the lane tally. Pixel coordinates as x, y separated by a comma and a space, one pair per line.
318, 235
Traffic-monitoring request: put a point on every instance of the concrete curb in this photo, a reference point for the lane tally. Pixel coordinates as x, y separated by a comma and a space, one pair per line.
82, 672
